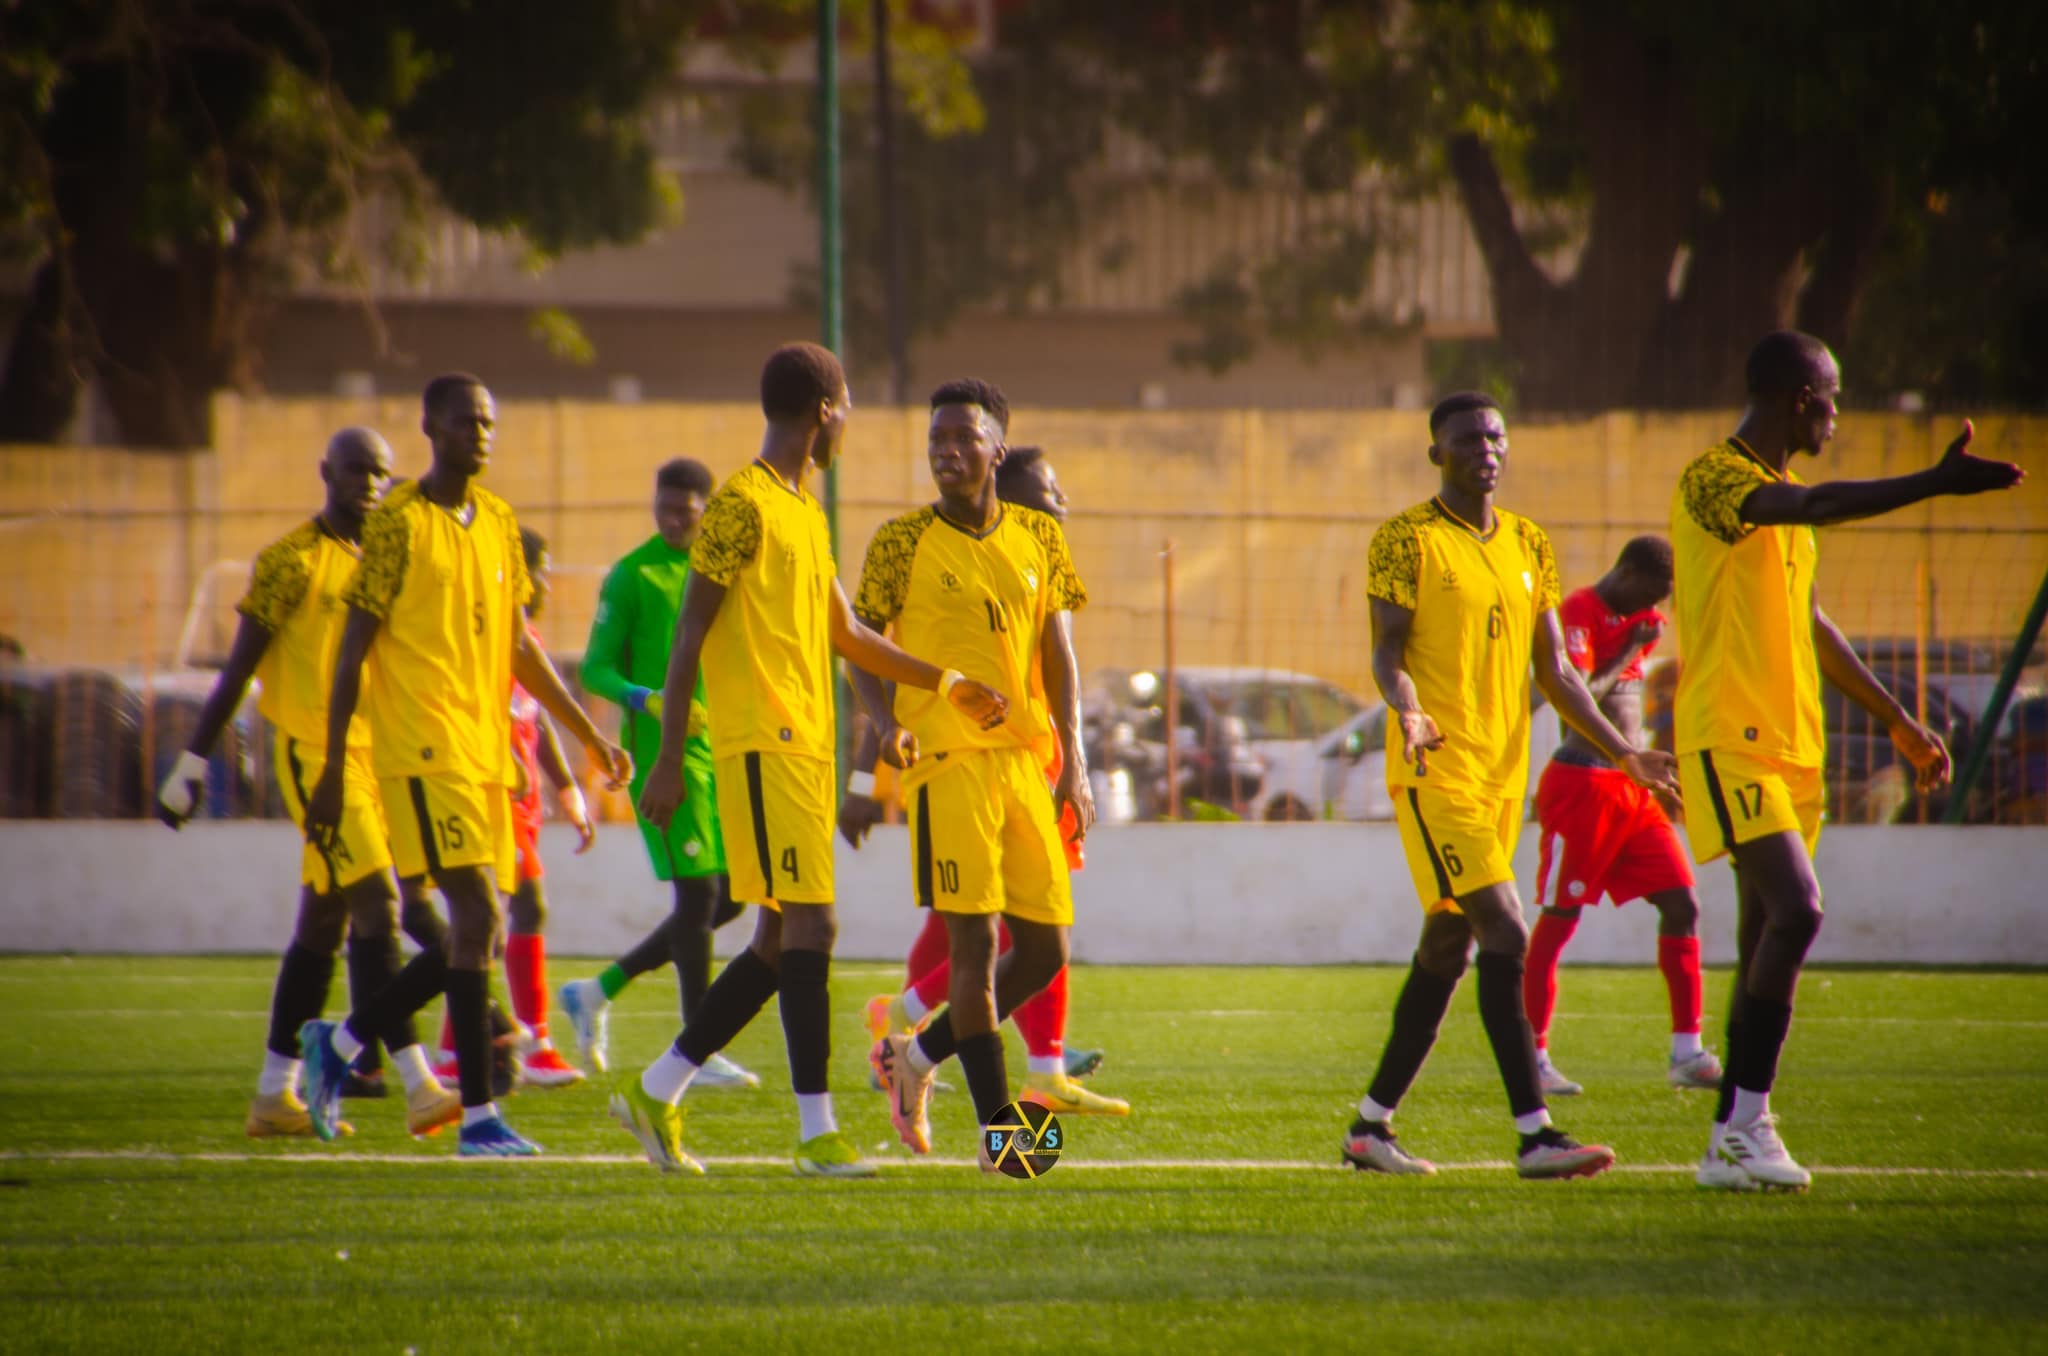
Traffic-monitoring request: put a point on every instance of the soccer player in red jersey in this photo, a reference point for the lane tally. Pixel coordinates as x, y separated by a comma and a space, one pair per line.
1602, 833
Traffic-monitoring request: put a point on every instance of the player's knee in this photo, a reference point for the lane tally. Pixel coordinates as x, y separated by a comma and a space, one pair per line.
423, 923
323, 919
372, 908
1443, 952
1796, 915
1679, 911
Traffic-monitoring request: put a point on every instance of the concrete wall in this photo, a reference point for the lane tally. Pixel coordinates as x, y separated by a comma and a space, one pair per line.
1181, 894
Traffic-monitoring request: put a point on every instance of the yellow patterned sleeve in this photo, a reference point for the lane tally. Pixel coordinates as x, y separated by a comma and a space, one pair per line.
277, 583
729, 539
387, 549
1714, 488
885, 574
1548, 589
1393, 562
1064, 591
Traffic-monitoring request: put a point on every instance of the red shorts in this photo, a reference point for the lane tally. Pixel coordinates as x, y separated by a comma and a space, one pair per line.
1602, 834
526, 838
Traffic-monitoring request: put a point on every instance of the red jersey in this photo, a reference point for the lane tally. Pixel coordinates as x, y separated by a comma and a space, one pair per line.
1594, 633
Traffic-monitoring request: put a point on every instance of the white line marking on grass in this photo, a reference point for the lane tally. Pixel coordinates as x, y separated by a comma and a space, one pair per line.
346, 1157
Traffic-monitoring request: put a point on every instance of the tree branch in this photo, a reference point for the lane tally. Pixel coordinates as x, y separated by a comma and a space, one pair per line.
1519, 282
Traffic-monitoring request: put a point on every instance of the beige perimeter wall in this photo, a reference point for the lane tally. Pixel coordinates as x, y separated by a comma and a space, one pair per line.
1269, 514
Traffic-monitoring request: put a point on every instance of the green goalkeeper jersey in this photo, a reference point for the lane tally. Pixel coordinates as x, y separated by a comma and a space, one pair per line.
630, 638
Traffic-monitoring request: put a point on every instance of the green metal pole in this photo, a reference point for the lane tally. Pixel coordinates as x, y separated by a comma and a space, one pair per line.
830, 294
1994, 710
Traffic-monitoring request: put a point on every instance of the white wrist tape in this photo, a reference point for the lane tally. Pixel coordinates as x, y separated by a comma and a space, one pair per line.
861, 784
949, 680
177, 792
573, 804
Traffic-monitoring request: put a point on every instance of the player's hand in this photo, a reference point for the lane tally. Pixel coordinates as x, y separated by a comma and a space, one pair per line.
1962, 473
179, 797
323, 807
616, 762
576, 810
1072, 789
1922, 748
899, 746
857, 815
700, 719
980, 703
654, 705
1418, 736
1645, 634
1672, 806
664, 792
1653, 770
521, 783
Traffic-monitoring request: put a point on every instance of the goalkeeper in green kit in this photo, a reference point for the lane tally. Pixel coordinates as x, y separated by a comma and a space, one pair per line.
626, 663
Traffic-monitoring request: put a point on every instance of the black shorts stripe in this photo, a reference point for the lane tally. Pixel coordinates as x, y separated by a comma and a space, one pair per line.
1720, 802
925, 897
757, 805
291, 759
418, 789
1443, 879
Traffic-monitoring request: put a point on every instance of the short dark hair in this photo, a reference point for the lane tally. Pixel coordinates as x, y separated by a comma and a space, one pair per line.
1649, 556
1017, 462
685, 474
441, 387
974, 391
533, 544
1457, 403
1782, 362
797, 378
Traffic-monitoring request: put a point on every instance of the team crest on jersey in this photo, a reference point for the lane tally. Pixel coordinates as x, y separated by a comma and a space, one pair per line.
1031, 580
949, 581
1450, 579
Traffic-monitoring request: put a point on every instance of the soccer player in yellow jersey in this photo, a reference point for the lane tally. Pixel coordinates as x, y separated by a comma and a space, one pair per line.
762, 615
1747, 718
1464, 595
435, 610
290, 623
990, 588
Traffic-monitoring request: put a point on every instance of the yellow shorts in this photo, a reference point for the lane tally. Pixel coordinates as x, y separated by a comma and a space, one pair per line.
443, 822
1732, 797
1455, 841
777, 811
984, 838
361, 845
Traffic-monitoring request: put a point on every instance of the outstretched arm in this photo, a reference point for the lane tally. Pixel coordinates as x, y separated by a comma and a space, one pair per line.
536, 673
877, 654
1840, 665
1841, 501
178, 797
1562, 682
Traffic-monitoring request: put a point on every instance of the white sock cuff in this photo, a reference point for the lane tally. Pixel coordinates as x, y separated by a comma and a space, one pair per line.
1370, 1110
668, 1078
913, 1006
345, 1043
412, 1066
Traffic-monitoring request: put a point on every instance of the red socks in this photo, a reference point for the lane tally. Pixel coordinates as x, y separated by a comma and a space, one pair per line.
929, 951
1042, 1019
1679, 959
526, 975
1539, 979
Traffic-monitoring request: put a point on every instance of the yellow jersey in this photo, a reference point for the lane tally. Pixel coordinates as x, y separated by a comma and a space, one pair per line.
450, 594
976, 603
1743, 600
767, 659
1475, 599
295, 594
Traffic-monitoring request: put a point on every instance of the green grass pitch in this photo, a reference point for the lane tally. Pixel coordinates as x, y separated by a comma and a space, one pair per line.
134, 1215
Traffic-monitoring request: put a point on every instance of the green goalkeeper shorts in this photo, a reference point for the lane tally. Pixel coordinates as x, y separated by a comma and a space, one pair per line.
692, 845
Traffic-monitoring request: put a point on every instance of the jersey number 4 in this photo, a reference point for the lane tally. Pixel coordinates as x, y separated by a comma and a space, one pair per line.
789, 864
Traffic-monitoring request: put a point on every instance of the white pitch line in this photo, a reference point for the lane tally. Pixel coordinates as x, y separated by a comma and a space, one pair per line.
1246, 1165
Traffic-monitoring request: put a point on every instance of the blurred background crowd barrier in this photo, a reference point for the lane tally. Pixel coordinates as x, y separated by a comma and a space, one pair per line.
122, 569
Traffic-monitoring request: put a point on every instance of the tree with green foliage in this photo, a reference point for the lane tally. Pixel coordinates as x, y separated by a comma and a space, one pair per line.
1651, 185
169, 168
